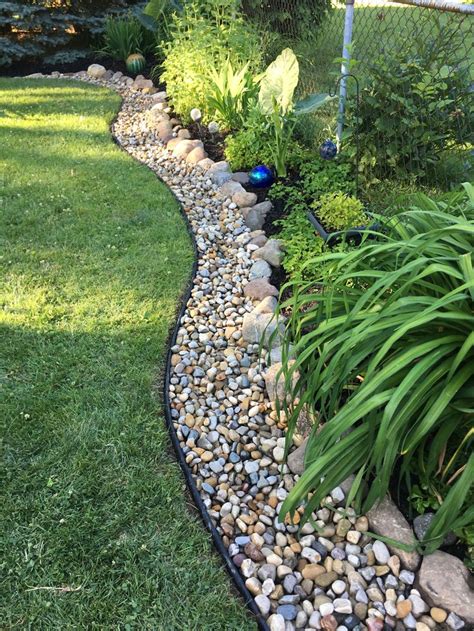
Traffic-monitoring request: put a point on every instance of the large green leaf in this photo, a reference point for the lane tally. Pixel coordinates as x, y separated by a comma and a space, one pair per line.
279, 83
312, 103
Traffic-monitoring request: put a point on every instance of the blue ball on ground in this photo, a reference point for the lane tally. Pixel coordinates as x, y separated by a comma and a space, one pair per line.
261, 176
328, 150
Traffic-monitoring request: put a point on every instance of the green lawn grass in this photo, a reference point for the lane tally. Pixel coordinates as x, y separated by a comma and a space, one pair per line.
96, 528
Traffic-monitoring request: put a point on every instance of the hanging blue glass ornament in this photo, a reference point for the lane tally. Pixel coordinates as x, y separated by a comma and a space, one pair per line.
328, 150
261, 177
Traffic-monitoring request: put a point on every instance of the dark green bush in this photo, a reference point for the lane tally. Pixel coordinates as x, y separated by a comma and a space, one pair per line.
33, 30
415, 105
295, 19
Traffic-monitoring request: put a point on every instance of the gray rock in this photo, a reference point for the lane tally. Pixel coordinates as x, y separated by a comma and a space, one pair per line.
421, 525
219, 177
256, 216
386, 520
270, 252
230, 188
381, 552
260, 269
259, 327
454, 622
444, 582
241, 176
263, 603
296, 459
288, 612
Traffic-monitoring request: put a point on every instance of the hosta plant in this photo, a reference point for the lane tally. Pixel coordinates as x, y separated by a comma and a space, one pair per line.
384, 351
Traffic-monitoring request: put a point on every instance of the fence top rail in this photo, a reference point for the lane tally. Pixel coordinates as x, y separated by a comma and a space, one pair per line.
440, 5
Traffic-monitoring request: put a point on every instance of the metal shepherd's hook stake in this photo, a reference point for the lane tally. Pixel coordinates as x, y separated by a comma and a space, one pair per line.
343, 79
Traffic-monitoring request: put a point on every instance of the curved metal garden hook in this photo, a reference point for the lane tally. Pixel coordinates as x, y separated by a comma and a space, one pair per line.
344, 77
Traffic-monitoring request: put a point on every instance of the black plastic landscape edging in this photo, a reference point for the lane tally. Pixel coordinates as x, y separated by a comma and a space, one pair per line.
216, 538
331, 238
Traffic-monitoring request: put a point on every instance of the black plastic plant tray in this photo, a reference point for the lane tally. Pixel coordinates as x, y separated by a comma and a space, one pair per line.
352, 234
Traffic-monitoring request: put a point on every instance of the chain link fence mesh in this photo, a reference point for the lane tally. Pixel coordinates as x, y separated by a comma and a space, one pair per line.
387, 36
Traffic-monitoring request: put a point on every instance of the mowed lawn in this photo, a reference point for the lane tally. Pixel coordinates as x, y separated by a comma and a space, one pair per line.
96, 528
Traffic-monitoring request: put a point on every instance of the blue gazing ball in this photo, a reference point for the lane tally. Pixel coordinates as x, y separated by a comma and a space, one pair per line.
261, 177
328, 150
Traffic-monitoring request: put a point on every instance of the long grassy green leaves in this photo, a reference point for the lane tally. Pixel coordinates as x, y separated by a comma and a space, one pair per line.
384, 349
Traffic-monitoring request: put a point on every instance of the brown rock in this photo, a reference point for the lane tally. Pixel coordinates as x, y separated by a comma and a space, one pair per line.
444, 583
328, 623
244, 199
259, 289
438, 614
374, 624
183, 148
324, 580
312, 570
385, 519
196, 155
171, 144
403, 608
253, 552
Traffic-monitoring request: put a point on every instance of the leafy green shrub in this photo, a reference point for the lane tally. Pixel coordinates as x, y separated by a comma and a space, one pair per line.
206, 34
416, 104
385, 353
51, 32
124, 36
338, 211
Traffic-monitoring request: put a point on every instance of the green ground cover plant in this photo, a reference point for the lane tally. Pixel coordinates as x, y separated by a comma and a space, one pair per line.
97, 529
384, 349
316, 178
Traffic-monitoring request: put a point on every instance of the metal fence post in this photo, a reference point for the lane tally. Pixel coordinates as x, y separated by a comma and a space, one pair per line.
345, 67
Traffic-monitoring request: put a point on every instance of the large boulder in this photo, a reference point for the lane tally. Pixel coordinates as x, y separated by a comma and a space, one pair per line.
260, 269
261, 327
444, 582
275, 381
255, 218
386, 520
229, 188
259, 289
96, 71
243, 199
270, 252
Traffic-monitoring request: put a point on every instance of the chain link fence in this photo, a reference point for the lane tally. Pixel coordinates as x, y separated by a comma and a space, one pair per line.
410, 97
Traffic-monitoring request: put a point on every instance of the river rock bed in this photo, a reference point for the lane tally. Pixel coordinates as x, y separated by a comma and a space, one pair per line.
222, 395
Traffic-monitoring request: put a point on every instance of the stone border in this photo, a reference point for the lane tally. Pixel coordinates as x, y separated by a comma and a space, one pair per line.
220, 405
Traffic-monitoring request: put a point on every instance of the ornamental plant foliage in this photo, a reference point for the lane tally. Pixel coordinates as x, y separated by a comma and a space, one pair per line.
384, 351
203, 37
